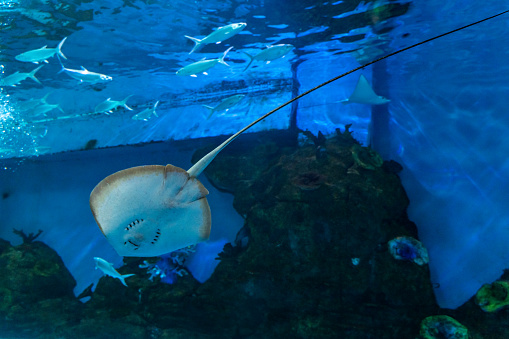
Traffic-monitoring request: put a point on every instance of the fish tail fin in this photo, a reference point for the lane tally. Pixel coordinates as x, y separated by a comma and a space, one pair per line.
32, 74
154, 110
251, 59
43, 99
59, 48
61, 64
211, 109
197, 43
60, 109
124, 103
123, 277
221, 59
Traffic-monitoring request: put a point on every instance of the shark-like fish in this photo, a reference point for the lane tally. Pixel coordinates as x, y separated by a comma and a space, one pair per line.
108, 269
219, 35
41, 54
84, 75
202, 66
225, 104
108, 105
270, 53
15, 78
146, 113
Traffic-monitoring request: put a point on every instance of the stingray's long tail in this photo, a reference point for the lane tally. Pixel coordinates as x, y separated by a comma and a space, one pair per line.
205, 161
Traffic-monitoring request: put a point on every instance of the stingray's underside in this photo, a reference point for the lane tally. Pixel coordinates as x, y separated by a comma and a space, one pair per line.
151, 210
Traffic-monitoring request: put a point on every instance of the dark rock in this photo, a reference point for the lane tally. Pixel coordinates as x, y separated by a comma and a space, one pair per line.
392, 166
309, 219
311, 262
36, 291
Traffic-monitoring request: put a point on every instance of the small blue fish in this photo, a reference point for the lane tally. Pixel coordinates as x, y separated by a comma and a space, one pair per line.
44, 108
108, 269
269, 54
41, 54
202, 66
32, 103
16, 78
84, 75
146, 113
225, 104
219, 35
108, 105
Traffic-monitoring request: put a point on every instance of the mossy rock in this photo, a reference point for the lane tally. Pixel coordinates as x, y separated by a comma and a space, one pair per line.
493, 297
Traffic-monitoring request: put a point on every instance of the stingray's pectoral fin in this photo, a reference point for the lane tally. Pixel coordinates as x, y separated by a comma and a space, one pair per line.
181, 188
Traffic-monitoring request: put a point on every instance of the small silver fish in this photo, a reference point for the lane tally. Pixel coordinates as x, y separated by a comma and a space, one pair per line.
109, 105
202, 66
84, 75
146, 113
45, 108
270, 53
225, 104
32, 103
108, 269
41, 54
16, 78
219, 35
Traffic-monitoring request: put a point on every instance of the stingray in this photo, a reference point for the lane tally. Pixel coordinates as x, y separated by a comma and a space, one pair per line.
152, 210
364, 94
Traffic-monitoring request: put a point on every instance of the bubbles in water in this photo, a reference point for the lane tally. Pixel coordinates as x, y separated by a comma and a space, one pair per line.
16, 139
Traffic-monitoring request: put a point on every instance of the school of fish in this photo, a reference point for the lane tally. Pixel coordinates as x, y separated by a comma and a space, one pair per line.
39, 107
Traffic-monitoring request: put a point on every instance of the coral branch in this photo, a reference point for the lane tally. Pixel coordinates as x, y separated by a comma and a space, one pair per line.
27, 239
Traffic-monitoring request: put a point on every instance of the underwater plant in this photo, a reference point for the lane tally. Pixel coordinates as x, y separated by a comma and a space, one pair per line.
27, 239
169, 266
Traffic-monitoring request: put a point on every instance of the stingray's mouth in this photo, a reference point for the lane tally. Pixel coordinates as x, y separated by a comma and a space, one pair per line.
135, 237
130, 241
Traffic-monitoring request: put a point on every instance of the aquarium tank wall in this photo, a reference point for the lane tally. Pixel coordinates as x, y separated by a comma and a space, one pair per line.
89, 88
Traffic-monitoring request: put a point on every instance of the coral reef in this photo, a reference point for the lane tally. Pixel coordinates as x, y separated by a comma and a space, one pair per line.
36, 291
442, 326
493, 297
410, 249
169, 266
313, 260
27, 239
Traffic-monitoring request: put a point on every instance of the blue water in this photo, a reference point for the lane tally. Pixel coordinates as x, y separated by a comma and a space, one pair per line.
447, 111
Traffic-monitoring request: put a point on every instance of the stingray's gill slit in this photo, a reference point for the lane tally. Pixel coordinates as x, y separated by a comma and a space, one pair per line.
156, 237
134, 223
172, 198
